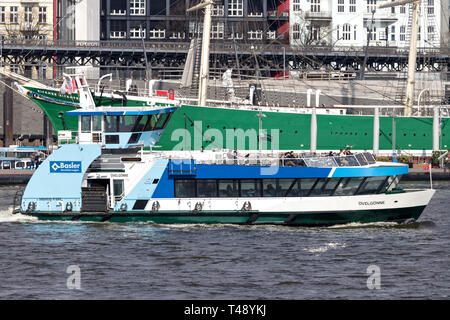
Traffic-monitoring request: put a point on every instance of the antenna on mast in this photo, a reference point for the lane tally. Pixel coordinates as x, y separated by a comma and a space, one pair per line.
410, 84
204, 64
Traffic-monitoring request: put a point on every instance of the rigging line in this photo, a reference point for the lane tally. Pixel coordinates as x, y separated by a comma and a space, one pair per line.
20, 93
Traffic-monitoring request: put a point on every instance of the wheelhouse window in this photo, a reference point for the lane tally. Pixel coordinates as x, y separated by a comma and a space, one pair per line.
85, 123
136, 123
96, 123
162, 120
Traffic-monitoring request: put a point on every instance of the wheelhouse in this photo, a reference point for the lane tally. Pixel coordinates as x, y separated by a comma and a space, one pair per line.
121, 129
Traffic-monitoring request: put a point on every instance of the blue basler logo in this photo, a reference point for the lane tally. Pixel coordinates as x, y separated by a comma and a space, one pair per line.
65, 166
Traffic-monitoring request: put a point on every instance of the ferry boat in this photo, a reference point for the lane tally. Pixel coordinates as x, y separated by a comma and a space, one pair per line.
107, 176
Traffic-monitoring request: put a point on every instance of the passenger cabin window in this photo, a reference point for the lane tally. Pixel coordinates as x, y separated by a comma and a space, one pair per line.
302, 187
348, 186
228, 188
185, 188
372, 185
250, 188
206, 189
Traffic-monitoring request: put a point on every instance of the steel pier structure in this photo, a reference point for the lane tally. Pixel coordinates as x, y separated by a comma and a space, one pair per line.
269, 59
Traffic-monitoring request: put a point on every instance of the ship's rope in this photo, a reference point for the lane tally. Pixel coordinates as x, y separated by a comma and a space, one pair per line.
23, 95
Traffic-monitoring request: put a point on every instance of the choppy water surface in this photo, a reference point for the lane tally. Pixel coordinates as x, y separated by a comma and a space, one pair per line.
147, 261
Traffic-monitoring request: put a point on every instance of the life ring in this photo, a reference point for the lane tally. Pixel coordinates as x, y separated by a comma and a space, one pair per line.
69, 206
247, 206
123, 207
198, 207
155, 206
31, 206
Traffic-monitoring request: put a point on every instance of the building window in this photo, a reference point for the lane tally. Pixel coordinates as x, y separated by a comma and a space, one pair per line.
137, 7
157, 33
217, 30
255, 35
296, 6
2, 14
393, 33
372, 34
118, 35
271, 35
217, 10
352, 7
371, 6
137, 33
340, 6
236, 8
430, 9
296, 31
42, 14
13, 18
315, 5
430, 31
346, 32
382, 35
28, 14
402, 33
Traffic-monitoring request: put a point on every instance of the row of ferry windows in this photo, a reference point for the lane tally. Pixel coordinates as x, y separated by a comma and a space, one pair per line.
125, 123
305, 187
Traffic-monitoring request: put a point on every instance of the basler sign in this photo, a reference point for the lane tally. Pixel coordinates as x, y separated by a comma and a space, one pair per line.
65, 166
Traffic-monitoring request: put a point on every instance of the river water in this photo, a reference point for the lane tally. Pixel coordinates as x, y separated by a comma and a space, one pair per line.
75, 260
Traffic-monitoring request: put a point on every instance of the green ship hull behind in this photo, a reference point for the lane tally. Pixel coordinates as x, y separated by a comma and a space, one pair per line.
290, 130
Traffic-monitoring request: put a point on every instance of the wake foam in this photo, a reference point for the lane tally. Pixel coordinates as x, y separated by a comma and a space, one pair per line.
6, 215
326, 247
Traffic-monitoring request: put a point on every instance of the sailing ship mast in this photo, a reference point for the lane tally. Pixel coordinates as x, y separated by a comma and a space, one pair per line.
204, 64
410, 84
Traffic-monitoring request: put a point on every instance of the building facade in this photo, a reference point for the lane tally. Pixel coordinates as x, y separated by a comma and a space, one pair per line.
347, 23
240, 20
31, 20
78, 20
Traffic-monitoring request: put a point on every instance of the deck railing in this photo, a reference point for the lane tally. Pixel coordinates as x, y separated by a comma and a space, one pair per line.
357, 160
